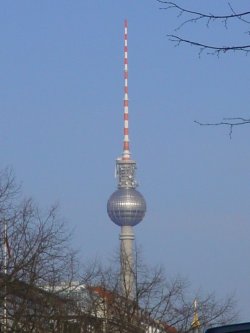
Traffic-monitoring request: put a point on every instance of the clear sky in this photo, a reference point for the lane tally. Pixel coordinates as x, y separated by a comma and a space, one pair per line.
61, 92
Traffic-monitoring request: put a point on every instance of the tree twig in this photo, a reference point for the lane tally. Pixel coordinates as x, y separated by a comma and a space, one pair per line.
230, 122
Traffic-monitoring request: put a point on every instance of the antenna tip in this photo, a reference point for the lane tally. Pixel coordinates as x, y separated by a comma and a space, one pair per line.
126, 23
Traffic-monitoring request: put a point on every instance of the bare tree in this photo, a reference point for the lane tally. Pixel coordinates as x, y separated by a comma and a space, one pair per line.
43, 288
159, 304
35, 257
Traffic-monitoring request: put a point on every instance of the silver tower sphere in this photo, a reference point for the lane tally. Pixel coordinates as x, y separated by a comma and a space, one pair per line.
126, 207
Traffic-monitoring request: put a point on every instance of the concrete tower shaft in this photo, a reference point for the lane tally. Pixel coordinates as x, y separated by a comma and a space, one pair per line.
127, 261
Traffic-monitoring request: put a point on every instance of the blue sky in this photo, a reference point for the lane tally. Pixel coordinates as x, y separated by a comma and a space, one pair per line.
61, 129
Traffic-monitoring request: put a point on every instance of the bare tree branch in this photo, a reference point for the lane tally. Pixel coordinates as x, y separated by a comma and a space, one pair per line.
200, 15
214, 49
194, 16
229, 122
197, 16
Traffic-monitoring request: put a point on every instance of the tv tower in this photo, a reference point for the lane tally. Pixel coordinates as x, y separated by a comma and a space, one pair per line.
126, 206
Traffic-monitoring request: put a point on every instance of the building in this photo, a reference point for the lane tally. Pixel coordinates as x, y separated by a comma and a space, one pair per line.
126, 206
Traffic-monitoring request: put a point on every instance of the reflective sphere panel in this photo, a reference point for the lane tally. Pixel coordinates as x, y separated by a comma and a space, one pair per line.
126, 207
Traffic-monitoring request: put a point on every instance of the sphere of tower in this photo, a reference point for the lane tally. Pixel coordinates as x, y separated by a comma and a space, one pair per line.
126, 207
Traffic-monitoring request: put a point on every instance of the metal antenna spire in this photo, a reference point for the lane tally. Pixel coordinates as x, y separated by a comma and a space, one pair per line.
126, 150
195, 325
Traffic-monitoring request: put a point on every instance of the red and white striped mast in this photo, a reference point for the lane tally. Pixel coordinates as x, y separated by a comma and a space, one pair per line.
126, 150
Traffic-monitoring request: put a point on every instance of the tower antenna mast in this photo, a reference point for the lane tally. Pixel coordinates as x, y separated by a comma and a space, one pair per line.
126, 149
